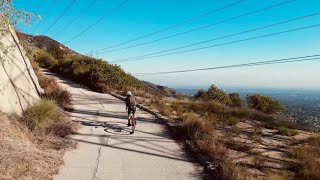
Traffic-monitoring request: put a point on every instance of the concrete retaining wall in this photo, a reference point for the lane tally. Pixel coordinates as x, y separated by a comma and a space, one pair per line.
19, 85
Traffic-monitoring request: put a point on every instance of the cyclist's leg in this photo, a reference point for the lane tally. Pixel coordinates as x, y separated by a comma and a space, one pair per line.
129, 114
134, 115
133, 125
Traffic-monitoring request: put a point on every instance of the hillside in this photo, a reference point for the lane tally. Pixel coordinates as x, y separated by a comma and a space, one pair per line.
119, 80
45, 43
161, 89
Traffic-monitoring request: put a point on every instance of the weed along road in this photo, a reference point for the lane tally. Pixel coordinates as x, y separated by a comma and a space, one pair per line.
106, 150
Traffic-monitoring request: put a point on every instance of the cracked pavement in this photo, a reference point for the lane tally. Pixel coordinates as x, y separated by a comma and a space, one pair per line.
106, 150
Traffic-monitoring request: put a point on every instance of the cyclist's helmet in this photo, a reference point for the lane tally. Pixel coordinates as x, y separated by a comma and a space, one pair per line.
129, 93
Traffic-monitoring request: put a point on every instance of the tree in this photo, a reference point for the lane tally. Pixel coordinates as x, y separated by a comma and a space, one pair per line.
264, 103
214, 93
8, 14
235, 100
201, 95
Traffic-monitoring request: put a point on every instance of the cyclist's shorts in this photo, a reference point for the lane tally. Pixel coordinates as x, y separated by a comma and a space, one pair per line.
132, 110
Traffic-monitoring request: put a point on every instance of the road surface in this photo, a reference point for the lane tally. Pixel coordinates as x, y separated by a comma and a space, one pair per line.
106, 150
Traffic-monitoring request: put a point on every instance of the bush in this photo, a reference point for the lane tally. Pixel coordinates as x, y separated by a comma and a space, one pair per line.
40, 115
235, 100
44, 59
213, 94
217, 94
286, 131
53, 91
201, 95
45, 117
264, 104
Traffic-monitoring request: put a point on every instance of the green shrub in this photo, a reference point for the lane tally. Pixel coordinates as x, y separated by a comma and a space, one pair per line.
201, 95
286, 131
40, 115
44, 59
264, 104
235, 100
217, 94
98, 75
44, 117
213, 94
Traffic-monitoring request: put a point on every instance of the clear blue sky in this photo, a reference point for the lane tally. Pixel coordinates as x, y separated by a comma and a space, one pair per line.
139, 17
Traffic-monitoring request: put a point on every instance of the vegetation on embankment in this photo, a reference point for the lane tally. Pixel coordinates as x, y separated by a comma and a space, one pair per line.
32, 146
223, 129
96, 74
25, 155
51, 88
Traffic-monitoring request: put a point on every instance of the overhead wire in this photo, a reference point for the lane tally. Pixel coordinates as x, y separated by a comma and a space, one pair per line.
49, 6
221, 44
66, 9
97, 22
208, 25
259, 63
177, 24
85, 10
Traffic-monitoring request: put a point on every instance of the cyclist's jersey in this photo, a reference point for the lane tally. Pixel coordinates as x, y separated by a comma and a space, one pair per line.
130, 101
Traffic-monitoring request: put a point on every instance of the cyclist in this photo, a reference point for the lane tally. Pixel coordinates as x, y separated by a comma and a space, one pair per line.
131, 109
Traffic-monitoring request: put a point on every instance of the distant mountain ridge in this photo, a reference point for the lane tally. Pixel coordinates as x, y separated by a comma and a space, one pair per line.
59, 50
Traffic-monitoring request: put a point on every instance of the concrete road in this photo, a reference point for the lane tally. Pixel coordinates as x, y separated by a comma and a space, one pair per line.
106, 150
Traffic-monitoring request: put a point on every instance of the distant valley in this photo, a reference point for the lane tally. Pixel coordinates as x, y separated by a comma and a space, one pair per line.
301, 105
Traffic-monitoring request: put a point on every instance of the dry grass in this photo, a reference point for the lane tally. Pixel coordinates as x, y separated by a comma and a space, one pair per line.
231, 171
22, 156
308, 160
53, 91
51, 88
40, 115
284, 131
213, 128
45, 117
278, 176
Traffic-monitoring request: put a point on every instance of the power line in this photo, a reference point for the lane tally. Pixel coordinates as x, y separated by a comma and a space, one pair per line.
177, 24
87, 8
49, 6
234, 34
221, 44
207, 26
97, 22
259, 63
60, 16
